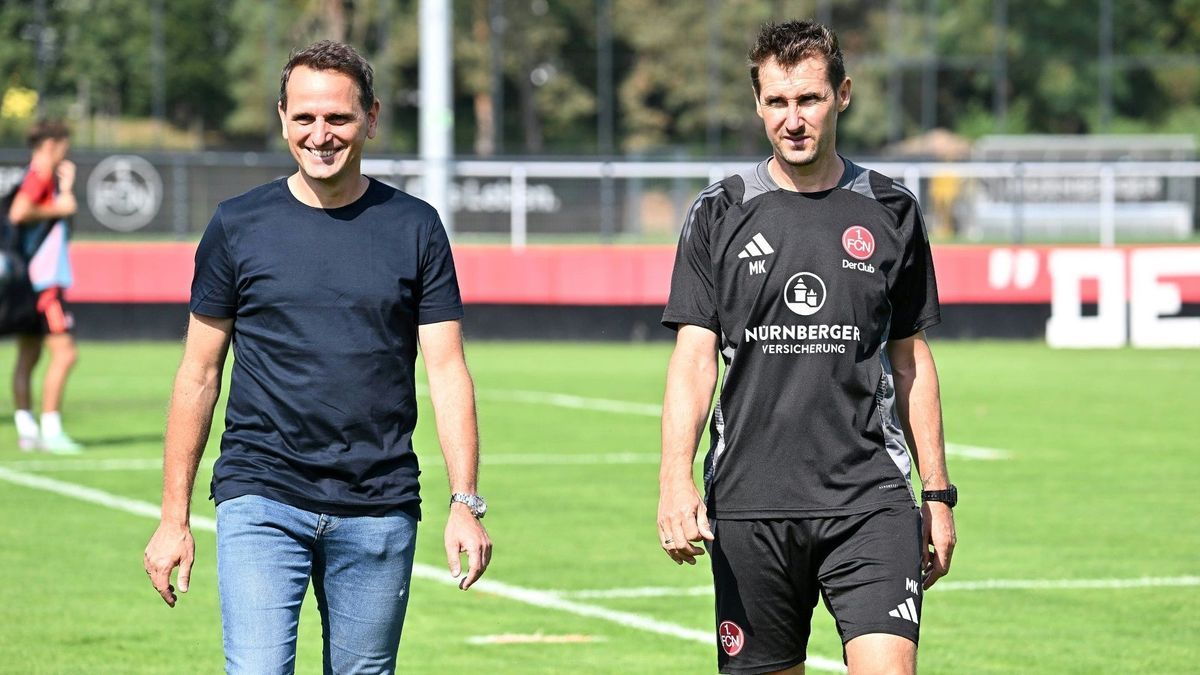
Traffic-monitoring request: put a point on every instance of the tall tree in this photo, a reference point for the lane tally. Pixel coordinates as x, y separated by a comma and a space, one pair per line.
546, 59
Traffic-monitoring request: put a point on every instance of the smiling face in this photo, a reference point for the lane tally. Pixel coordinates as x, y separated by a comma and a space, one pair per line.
799, 108
325, 126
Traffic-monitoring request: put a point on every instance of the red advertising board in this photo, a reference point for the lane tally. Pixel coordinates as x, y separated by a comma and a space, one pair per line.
604, 275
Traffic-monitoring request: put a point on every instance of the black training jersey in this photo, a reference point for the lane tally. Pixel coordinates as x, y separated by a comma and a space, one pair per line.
805, 290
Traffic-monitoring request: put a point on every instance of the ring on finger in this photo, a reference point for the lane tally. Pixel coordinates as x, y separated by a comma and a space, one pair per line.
668, 541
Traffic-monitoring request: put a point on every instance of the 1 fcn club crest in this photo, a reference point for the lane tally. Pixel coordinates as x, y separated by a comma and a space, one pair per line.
732, 638
858, 242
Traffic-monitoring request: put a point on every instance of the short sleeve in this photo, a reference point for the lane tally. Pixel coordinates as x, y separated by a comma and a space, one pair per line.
914, 297
693, 293
37, 188
440, 299
214, 283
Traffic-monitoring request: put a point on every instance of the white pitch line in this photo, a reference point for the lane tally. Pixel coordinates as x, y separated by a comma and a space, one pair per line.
87, 494
543, 599
975, 452
982, 585
645, 592
652, 410
534, 638
571, 401
566, 458
495, 459
90, 465
522, 396
1066, 584
561, 400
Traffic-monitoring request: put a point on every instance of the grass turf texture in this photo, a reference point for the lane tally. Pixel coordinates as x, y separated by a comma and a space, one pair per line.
1102, 483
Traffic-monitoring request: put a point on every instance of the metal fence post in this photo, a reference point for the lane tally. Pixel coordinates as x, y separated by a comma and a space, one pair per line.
912, 180
608, 202
518, 205
180, 207
1018, 229
1108, 205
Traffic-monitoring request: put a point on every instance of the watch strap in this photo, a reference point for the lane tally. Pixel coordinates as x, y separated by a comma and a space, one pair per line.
473, 502
948, 496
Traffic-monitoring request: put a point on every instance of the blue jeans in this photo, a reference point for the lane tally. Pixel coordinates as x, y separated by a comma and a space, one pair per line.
360, 568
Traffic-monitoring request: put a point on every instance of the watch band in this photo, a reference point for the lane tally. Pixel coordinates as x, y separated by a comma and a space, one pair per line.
474, 503
949, 496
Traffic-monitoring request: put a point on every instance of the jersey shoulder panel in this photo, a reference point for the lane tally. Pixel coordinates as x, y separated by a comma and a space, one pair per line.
711, 205
891, 194
755, 182
896, 200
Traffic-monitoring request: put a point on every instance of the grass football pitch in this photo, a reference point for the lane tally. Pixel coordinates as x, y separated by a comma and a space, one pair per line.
1079, 523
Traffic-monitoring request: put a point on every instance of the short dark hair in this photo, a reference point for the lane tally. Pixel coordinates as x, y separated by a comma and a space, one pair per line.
332, 55
791, 42
45, 130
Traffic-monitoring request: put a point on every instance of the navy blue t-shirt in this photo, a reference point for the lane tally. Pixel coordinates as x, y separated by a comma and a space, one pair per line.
326, 304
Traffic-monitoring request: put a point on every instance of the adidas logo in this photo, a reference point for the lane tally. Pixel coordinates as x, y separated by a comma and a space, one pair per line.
906, 610
758, 246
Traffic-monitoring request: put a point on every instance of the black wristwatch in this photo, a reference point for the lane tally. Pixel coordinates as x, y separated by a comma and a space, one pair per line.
949, 497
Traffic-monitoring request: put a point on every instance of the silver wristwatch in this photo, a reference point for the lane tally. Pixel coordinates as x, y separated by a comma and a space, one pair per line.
475, 503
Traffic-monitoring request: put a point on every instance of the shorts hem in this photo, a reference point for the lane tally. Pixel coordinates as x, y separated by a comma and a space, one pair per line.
910, 635
767, 668
798, 514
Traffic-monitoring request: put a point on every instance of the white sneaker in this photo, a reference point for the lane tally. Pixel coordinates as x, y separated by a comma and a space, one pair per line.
27, 443
60, 444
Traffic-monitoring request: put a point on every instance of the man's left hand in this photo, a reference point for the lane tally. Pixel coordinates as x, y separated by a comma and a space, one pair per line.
465, 534
937, 524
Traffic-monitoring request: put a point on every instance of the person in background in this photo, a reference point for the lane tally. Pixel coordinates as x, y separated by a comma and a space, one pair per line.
39, 211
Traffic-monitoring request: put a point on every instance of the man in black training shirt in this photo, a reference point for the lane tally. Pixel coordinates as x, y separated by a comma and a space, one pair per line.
326, 281
813, 280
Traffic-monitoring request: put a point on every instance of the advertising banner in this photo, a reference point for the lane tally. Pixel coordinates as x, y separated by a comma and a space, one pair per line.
1145, 296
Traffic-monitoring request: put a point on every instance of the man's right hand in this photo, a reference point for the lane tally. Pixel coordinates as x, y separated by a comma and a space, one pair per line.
171, 546
65, 173
682, 519
65, 202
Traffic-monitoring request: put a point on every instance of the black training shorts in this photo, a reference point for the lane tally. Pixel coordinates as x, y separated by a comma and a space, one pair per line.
767, 574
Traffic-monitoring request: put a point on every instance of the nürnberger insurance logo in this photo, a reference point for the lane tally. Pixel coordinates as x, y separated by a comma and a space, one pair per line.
804, 293
732, 638
858, 242
124, 192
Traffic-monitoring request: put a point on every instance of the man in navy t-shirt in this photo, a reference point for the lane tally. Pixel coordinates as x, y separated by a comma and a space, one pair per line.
325, 282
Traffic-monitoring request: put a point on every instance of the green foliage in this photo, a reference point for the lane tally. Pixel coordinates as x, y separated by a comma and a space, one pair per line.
197, 39
667, 96
679, 68
17, 59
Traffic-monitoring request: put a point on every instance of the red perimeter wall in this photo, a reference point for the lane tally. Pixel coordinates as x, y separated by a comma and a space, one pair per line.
572, 275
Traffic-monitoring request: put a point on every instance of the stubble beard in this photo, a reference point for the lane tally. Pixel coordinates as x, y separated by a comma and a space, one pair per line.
799, 158
806, 158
